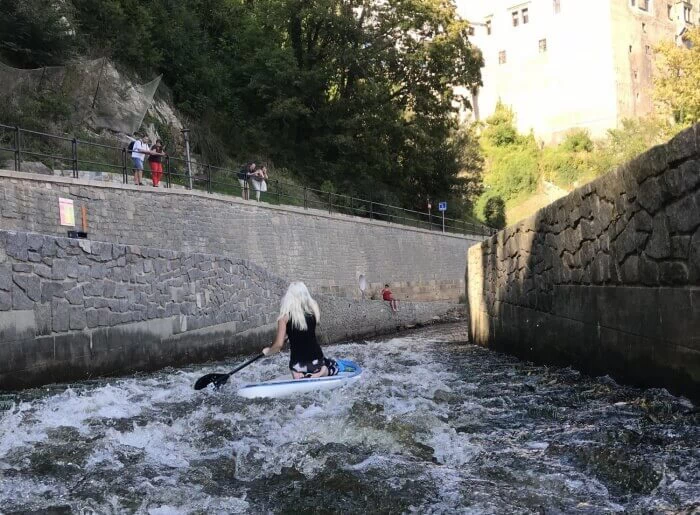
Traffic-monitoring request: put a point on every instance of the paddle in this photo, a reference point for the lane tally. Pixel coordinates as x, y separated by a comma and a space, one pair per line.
219, 380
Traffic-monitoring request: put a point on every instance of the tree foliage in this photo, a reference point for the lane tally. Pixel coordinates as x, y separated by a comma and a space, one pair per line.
511, 158
514, 164
678, 76
357, 93
36, 32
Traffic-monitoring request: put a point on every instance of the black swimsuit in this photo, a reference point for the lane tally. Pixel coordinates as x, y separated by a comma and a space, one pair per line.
305, 354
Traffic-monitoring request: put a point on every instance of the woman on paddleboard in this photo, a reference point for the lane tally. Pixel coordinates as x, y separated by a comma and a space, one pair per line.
299, 315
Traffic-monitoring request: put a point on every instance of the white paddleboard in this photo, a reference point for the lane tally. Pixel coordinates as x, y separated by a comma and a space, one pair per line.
283, 388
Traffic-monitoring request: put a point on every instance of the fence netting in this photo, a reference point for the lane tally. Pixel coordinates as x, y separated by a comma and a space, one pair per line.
98, 95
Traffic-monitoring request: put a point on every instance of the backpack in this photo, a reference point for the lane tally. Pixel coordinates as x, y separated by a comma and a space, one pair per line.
131, 146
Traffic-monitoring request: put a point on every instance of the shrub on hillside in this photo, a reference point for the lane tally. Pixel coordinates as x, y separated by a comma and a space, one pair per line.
569, 162
512, 170
491, 210
578, 140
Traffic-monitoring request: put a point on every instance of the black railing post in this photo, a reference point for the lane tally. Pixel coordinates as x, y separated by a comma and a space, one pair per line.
167, 171
330, 203
18, 150
279, 201
305, 201
125, 171
352, 209
208, 178
371, 213
74, 151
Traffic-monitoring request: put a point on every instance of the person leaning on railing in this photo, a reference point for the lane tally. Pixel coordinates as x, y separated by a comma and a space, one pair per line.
257, 180
243, 176
139, 150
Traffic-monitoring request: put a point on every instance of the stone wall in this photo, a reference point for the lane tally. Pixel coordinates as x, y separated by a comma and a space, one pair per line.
606, 279
327, 251
72, 309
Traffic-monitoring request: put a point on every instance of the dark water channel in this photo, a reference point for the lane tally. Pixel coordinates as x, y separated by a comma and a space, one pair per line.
433, 426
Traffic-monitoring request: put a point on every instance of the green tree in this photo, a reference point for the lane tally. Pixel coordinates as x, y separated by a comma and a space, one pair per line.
357, 93
35, 33
511, 158
678, 76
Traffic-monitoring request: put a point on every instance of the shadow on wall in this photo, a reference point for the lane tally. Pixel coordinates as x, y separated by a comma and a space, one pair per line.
605, 279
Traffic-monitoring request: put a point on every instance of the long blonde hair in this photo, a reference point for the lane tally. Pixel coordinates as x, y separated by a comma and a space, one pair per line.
295, 303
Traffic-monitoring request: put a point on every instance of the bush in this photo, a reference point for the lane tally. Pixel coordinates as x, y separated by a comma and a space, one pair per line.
500, 128
563, 166
490, 208
512, 170
578, 140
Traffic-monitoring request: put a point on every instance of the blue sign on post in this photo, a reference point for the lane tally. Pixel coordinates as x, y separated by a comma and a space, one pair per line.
442, 206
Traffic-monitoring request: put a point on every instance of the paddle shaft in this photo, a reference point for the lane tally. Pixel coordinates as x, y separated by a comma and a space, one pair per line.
246, 363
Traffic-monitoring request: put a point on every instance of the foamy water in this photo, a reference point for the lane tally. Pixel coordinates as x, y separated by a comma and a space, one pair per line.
433, 426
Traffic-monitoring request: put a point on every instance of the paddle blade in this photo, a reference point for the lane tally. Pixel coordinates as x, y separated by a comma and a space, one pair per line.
216, 379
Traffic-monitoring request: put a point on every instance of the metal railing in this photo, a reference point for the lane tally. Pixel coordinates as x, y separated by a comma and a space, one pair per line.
76, 154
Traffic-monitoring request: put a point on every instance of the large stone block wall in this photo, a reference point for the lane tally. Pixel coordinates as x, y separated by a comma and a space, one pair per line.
72, 309
327, 251
606, 279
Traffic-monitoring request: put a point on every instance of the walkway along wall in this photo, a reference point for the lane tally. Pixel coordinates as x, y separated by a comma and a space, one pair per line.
328, 251
606, 279
72, 309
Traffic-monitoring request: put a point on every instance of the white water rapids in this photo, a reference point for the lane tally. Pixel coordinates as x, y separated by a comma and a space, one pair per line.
433, 426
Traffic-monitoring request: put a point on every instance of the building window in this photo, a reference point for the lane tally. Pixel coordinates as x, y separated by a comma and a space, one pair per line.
557, 6
686, 13
502, 57
488, 27
543, 46
516, 18
633, 3
644, 5
669, 10
630, 49
647, 50
470, 30
644, 27
526, 15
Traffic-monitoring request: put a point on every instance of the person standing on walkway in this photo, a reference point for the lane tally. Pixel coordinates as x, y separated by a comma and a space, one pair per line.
243, 177
155, 162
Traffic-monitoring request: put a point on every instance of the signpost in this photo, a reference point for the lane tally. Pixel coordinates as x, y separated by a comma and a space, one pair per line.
442, 206
430, 218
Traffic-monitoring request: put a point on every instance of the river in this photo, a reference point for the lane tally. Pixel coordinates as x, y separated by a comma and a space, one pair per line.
434, 425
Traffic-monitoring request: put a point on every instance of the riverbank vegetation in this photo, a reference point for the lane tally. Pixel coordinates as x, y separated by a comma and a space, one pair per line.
521, 176
357, 96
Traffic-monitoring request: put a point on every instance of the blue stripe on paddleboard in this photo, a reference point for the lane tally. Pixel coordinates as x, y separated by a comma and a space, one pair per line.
307, 380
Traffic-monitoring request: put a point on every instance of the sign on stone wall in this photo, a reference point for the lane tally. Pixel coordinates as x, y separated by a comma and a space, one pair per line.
66, 212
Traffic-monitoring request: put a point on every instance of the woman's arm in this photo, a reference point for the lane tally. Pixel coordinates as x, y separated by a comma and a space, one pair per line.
279, 338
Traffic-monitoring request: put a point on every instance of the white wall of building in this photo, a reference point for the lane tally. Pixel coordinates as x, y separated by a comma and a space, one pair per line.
587, 77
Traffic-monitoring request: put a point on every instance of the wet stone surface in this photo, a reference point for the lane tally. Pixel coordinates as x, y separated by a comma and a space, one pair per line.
434, 426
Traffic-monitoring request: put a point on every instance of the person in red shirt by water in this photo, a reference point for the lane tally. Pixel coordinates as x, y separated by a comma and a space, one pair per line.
389, 297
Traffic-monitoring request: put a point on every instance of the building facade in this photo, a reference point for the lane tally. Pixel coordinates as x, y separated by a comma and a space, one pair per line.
565, 64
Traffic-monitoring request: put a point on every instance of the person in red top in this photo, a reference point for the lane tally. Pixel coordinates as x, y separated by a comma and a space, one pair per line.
155, 162
389, 297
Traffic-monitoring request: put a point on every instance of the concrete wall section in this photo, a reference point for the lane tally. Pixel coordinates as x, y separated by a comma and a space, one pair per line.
606, 279
72, 309
328, 252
